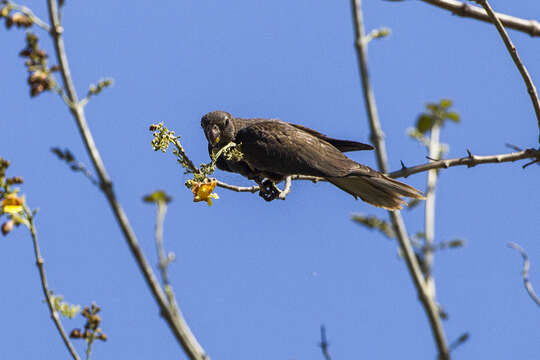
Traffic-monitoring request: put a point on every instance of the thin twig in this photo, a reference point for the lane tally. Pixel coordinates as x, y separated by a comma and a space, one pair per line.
163, 259
26, 11
531, 27
163, 262
469, 161
397, 221
324, 344
434, 152
531, 89
90, 342
377, 135
45, 286
176, 322
286, 188
251, 189
525, 272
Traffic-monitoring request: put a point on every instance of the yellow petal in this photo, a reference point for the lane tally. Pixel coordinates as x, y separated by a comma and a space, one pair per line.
12, 209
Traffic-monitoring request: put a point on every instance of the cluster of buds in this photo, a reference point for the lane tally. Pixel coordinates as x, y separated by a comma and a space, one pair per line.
39, 74
4, 164
18, 18
11, 204
91, 328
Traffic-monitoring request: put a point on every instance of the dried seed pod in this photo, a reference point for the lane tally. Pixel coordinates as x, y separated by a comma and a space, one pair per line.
21, 20
75, 334
7, 227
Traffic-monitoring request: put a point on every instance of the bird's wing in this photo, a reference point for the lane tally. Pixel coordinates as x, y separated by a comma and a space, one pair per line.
278, 147
341, 145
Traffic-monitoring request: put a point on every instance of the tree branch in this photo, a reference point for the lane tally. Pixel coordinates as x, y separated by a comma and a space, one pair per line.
531, 27
434, 153
176, 323
397, 221
531, 89
251, 189
469, 161
45, 286
525, 272
377, 135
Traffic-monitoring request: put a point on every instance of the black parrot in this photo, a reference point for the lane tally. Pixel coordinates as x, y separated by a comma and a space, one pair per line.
274, 149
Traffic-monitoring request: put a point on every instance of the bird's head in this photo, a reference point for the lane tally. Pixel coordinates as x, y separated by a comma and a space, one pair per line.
218, 128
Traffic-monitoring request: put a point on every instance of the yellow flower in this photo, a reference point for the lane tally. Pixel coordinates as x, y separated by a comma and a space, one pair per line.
204, 191
12, 204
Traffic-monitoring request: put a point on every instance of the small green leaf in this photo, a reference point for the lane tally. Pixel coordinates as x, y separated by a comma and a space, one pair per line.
454, 116
412, 204
424, 123
456, 243
434, 108
157, 196
374, 223
445, 103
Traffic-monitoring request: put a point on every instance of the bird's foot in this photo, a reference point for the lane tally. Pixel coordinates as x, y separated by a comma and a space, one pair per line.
268, 190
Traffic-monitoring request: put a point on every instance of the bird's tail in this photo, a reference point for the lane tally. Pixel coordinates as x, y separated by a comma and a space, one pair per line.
380, 191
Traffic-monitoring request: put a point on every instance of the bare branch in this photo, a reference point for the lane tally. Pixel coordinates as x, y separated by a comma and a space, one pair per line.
286, 188
525, 272
377, 135
164, 260
469, 161
397, 221
176, 322
531, 27
45, 286
251, 189
434, 152
515, 56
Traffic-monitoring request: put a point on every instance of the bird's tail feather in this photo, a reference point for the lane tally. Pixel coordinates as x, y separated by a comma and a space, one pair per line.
380, 191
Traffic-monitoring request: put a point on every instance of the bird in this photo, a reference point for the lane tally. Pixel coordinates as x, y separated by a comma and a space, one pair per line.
273, 150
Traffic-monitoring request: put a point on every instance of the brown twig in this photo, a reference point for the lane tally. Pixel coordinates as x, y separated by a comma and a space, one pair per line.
397, 221
44, 285
531, 89
324, 344
176, 322
531, 27
525, 272
469, 161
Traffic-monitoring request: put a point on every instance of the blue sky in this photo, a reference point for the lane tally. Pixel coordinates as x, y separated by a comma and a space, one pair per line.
256, 279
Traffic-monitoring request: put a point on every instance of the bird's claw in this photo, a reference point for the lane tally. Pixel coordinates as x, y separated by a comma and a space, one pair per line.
269, 191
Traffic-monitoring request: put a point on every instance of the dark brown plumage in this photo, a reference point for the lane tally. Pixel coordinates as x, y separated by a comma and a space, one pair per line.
274, 150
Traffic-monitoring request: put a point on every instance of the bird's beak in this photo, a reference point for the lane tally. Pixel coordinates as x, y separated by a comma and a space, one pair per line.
213, 135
